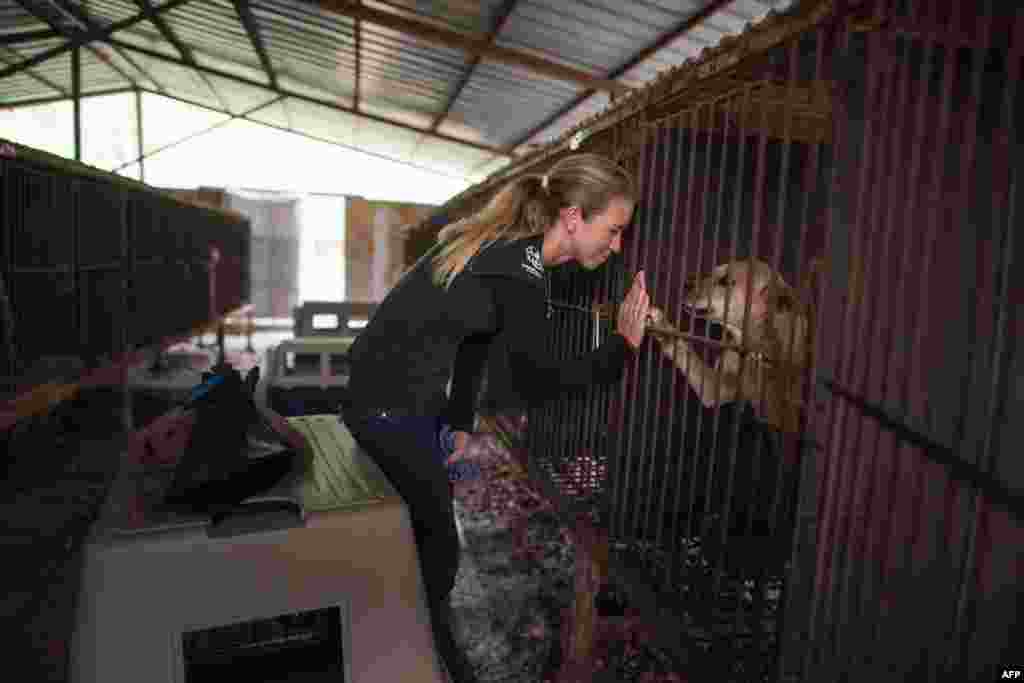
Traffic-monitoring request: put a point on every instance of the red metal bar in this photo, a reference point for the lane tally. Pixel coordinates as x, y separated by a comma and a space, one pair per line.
674, 283
928, 487
627, 406
829, 350
652, 408
677, 387
693, 527
723, 522
851, 506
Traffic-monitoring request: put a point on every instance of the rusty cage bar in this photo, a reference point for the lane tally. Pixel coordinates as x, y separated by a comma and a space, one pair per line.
854, 513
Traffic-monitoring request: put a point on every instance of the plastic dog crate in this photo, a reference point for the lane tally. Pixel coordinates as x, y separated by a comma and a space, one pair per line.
332, 318
325, 588
306, 376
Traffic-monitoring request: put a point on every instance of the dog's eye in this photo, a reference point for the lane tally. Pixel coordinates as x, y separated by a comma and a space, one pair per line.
725, 281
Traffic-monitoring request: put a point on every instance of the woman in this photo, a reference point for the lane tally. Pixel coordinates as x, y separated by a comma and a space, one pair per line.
486, 277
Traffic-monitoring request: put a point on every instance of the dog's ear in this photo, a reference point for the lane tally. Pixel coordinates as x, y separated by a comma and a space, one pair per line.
785, 300
776, 294
765, 297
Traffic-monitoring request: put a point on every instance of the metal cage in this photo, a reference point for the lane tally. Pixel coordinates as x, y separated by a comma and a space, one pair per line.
867, 152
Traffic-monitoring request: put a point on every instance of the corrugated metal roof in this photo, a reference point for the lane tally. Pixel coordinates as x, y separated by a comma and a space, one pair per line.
406, 72
213, 31
26, 85
730, 20
415, 99
98, 75
111, 11
52, 73
305, 47
469, 16
597, 36
502, 101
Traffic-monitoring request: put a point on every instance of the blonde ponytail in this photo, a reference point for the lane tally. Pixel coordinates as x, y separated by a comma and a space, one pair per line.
529, 206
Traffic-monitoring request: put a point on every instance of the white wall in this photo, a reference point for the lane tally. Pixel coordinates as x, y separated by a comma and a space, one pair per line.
321, 248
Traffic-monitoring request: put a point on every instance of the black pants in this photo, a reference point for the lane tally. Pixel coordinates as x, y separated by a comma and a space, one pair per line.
407, 451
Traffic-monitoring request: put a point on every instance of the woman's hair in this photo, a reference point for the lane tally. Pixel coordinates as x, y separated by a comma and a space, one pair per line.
529, 206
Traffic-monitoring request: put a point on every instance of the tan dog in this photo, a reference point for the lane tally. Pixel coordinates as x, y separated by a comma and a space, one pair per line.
774, 333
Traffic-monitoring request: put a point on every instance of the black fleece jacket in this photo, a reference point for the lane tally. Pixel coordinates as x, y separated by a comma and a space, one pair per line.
422, 335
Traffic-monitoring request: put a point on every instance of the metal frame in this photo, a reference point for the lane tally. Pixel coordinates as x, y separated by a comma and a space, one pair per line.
244, 115
76, 98
306, 98
85, 24
478, 47
88, 36
152, 13
8, 39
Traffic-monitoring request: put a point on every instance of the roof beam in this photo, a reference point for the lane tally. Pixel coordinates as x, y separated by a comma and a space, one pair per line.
91, 25
88, 37
183, 50
306, 98
83, 23
76, 92
167, 33
502, 16
470, 45
684, 26
36, 101
27, 37
245, 15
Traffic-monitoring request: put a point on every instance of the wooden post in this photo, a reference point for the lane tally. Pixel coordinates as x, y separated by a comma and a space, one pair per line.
580, 636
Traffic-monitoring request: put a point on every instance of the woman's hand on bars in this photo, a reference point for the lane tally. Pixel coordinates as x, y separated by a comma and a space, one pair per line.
632, 321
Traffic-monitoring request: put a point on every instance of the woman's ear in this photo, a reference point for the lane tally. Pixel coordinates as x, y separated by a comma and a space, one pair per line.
569, 215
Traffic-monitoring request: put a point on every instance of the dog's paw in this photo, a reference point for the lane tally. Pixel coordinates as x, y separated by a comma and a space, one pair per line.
655, 316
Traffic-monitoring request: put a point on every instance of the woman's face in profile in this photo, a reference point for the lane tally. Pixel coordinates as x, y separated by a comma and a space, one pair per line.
595, 240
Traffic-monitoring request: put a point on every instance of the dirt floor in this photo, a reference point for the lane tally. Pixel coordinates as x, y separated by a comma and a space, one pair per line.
516, 586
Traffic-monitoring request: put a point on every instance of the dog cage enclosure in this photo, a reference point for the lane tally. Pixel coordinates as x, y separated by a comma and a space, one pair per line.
86, 258
867, 152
